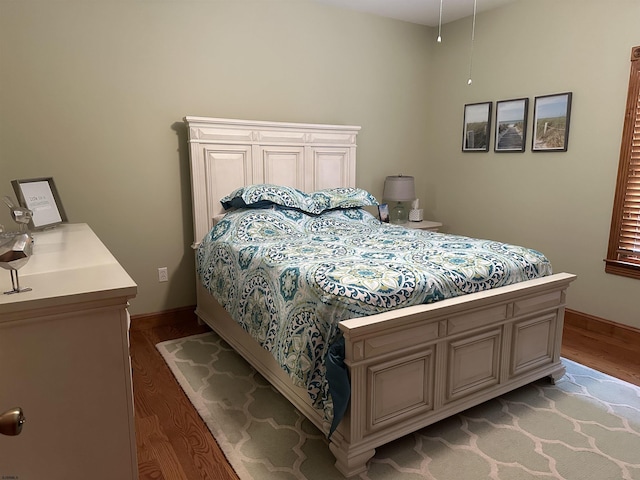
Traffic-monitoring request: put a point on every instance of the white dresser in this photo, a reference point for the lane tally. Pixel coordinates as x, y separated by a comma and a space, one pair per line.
64, 358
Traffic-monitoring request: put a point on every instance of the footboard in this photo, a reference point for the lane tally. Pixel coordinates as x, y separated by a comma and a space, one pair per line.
413, 367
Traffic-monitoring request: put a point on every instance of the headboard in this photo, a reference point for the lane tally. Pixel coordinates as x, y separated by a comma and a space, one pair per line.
226, 154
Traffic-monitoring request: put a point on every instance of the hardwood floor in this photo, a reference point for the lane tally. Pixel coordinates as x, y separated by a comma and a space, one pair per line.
614, 356
172, 440
174, 443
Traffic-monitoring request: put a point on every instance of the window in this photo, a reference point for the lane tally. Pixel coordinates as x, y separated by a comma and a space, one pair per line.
623, 255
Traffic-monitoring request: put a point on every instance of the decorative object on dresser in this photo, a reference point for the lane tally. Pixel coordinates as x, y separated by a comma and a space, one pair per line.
399, 189
408, 367
16, 247
40, 195
65, 361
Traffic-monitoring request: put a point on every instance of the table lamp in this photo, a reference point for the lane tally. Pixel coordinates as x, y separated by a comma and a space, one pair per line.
400, 188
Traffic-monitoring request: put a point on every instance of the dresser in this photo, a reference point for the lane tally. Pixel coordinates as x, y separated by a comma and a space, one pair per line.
64, 359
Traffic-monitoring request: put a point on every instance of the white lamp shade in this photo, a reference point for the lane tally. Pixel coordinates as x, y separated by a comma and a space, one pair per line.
400, 188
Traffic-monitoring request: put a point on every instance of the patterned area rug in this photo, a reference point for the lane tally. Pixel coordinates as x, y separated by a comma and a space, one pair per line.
586, 427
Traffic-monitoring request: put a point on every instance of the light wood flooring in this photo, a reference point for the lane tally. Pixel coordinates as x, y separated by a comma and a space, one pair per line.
174, 443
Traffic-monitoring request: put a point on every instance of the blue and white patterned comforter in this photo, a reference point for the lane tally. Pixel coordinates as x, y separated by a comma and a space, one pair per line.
288, 278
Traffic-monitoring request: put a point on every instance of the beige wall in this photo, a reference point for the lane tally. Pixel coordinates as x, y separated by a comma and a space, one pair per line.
559, 203
93, 93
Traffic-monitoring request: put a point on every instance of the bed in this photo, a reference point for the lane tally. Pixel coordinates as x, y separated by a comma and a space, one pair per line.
407, 367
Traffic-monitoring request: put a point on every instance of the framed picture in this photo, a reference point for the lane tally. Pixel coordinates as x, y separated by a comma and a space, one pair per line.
383, 211
511, 125
551, 115
41, 197
477, 127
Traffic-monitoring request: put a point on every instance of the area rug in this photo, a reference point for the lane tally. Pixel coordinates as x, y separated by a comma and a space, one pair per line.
586, 427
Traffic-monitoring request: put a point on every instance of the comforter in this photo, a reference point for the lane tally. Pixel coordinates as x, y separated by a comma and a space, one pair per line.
288, 277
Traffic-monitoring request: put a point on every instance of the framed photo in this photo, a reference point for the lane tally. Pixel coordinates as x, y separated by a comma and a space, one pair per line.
477, 127
383, 211
551, 115
511, 125
41, 197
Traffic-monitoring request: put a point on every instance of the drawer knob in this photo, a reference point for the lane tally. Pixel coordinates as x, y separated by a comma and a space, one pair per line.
11, 421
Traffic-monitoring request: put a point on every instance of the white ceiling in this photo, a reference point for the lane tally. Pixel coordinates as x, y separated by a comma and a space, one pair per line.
425, 12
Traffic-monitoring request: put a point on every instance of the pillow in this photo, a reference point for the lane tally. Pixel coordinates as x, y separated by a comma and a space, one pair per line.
265, 195
340, 198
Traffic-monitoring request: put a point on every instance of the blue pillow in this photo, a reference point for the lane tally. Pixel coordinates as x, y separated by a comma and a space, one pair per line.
265, 195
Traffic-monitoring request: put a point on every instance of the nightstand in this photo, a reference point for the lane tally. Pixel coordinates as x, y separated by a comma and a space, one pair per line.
423, 225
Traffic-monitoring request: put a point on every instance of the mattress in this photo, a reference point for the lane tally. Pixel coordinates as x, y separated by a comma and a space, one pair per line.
289, 277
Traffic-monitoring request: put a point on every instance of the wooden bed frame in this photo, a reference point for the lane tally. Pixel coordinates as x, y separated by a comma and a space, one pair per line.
410, 367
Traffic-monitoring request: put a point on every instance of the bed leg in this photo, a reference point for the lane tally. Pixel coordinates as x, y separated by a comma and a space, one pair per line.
349, 464
557, 374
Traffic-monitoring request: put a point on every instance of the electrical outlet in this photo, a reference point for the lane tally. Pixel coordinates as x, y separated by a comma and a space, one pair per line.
163, 274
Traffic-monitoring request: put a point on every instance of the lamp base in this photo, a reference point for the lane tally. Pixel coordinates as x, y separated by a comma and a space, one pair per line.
398, 214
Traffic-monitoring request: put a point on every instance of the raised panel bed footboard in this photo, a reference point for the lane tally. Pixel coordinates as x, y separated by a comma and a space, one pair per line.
415, 366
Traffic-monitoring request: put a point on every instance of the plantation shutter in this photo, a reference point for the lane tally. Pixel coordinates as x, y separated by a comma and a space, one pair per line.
623, 256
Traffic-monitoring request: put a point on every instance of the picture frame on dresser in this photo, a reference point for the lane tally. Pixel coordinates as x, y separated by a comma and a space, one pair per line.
40, 195
477, 127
